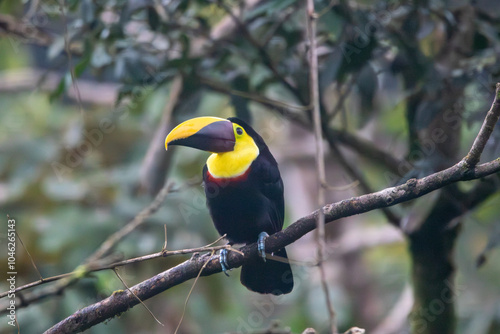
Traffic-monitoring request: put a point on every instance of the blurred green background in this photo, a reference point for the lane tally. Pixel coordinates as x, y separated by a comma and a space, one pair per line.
79, 159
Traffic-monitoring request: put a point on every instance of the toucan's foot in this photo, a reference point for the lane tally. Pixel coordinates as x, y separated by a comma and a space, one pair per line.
223, 261
261, 245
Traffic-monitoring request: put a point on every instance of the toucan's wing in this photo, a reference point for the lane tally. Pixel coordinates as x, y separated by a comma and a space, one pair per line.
271, 186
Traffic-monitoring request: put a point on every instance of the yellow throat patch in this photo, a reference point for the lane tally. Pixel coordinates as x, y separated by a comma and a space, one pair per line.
234, 163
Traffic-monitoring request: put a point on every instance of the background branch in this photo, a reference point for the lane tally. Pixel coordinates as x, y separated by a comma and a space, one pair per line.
485, 132
320, 157
96, 261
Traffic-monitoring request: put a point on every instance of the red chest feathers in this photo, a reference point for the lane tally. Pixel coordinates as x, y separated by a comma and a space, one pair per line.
221, 181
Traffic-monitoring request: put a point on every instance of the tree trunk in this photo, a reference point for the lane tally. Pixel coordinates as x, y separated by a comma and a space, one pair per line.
432, 273
431, 249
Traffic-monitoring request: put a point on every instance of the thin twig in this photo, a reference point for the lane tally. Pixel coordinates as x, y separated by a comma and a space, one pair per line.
112, 240
87, 269
165, 243
37, 283
139, 299
320, 161
266, 59
68, 53
366, 149
392, 218
29, 255
270, 33
343, 95
92, 264
254, 97
326, 9
216, 241
191, 291
472, 159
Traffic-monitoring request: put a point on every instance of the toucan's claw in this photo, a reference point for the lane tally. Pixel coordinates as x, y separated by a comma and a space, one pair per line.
261, 245
223, 261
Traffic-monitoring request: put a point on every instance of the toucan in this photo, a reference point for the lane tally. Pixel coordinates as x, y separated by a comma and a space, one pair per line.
244, 192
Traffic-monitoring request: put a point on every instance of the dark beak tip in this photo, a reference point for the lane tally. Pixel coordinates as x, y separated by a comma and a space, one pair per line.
217, 137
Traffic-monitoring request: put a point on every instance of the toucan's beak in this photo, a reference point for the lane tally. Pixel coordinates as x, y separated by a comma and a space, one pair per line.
210, 134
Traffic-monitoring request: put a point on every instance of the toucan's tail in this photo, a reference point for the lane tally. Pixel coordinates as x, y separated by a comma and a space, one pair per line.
271, 276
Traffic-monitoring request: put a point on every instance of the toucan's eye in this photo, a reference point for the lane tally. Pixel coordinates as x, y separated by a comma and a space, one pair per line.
239, 131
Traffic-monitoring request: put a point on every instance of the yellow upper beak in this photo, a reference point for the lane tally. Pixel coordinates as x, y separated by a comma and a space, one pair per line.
211, 134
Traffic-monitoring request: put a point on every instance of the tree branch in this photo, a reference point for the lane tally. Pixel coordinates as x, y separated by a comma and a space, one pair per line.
120, 301
284, 109
94, 262
113, 239
23, 31
91, 268
392, 218
491, 119
366, 149
293, 112
266, 58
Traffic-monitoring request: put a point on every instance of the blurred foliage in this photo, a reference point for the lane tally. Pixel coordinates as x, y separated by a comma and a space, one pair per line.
69, 168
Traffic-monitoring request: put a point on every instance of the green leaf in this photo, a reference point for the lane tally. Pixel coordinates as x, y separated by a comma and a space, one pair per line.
81, 66
59, 91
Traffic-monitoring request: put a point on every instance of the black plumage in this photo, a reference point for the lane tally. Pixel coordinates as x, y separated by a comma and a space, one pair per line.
247, 205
